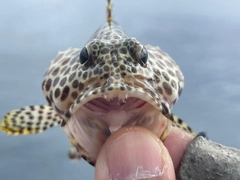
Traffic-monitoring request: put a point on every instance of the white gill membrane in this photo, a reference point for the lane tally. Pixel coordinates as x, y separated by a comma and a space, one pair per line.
97, 119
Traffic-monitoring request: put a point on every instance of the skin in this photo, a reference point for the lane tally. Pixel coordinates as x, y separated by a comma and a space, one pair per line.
131, 147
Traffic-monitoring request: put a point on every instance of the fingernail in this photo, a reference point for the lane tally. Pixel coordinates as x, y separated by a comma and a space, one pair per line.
138, 156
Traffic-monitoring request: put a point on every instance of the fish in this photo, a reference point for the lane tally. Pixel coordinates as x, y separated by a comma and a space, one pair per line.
111, 82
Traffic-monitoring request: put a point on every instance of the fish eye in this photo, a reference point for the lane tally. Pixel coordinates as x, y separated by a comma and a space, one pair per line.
83, 55
144, 55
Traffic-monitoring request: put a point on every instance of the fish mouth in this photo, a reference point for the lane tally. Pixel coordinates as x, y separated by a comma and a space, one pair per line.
117, 108
103, 105
119, 97
95, 117
115, 112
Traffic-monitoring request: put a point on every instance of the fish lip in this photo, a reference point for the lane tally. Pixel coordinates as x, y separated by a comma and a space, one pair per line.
157, 102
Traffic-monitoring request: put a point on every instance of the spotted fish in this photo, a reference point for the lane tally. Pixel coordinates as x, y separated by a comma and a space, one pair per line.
113, 81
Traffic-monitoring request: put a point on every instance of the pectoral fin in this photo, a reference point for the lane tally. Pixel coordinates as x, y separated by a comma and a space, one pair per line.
179, 123
30, 120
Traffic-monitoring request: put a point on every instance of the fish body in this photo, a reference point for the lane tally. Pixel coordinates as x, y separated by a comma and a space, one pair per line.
113, 81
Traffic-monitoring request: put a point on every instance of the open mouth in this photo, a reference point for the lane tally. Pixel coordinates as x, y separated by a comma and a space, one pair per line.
104, 106
115, 113
98, 116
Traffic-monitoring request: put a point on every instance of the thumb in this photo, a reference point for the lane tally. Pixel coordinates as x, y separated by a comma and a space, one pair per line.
134, 153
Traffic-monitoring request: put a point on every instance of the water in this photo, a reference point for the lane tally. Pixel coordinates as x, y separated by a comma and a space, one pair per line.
202, 36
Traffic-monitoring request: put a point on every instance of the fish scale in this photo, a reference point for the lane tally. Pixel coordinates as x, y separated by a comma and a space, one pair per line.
113, 81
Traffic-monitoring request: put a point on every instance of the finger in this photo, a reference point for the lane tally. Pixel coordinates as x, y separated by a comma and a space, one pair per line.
177, 143
134, 153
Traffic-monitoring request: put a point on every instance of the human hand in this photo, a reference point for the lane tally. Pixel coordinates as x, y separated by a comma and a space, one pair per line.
137, 153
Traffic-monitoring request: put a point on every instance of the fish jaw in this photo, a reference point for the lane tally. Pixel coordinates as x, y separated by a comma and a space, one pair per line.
92, 123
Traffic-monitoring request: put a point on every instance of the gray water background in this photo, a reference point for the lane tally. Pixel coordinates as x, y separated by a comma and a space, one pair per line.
202, 36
